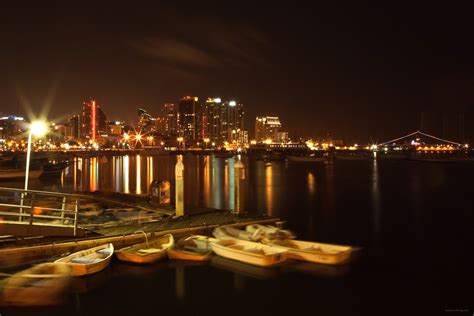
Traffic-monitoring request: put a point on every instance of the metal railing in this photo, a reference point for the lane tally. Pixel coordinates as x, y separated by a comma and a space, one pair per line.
39, 207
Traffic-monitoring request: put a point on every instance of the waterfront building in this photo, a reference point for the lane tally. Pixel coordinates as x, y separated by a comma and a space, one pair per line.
115, 128
11, 126
221, 121
233, 120
92, 120
74, 124
267, 129
187, 117
146, 123
170, 119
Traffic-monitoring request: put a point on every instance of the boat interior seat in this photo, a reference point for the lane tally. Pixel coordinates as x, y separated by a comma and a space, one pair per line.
85, 260
104, 251
150, 250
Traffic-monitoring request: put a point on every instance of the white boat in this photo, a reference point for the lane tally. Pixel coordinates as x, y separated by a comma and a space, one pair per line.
249, 252
270, 232
313, 251
43, 284
147, 252
194, 247
305, 159
227, 232
14, 174
89, 261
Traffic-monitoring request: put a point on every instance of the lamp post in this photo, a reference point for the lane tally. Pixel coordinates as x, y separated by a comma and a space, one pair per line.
38, 129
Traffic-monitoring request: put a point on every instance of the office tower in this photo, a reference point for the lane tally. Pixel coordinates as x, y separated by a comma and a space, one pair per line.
92, 120
170, 116
146, 123
187, 117
267, 128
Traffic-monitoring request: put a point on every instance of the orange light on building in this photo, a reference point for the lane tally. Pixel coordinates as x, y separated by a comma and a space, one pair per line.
93, 120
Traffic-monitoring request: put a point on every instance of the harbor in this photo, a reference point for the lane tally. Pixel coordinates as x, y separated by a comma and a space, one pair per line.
315, 213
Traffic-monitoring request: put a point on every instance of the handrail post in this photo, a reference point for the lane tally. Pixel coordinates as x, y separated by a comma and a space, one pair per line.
22, 198
63, 207
76, 208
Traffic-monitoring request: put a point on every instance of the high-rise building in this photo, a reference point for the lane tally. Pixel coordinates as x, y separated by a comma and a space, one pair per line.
170, 116
233, 120
92, 120
267, 128
211, 120
75, 126
11, 126
146, 123
187, 117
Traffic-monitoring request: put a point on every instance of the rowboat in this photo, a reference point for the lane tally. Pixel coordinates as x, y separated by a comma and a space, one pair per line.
193, 247
43, 284
227, 232
249, 252
270, 232
89, 261
147, 252
305, 159
14, 174
313, 251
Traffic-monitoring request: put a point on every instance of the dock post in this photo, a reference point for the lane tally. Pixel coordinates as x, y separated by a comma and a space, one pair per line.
179, 183
239, 173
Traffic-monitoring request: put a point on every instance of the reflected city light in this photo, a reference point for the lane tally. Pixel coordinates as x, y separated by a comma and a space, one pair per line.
149, 173
126, 171
139, 178
311, 184
269, 189
207, 180
231, 185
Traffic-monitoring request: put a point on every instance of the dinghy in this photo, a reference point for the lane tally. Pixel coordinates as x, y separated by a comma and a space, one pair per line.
227, 232
313, 251
15, 174
270, 232
194, 247
89, 261
249, 252
148, 252
43, 284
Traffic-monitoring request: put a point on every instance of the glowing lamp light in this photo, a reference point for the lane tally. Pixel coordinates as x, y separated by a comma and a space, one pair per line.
217, 100
38, 128
126, 136
232, 103
138, 137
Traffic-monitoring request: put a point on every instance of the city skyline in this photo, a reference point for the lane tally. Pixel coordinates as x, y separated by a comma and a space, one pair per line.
356, 73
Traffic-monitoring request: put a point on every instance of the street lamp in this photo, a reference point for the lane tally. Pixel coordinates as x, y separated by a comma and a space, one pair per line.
38, 129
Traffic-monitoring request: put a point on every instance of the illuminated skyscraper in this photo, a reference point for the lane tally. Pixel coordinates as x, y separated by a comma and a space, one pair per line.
233, 120
146, 123
92, 120
75, 126
267, 128
170, 117
187, 117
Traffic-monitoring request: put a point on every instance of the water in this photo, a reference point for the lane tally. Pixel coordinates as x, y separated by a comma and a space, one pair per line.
413, 219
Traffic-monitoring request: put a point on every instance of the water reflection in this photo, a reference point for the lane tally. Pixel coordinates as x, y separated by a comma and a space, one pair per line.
376, 205
126, 172
138, 182
269, 188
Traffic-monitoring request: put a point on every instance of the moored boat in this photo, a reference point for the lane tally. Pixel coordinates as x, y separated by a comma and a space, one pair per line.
227, 232
15, 174
194, 247
147, 252
249, 252
43, 284
270, 232
305, 159
313, 251
89, 261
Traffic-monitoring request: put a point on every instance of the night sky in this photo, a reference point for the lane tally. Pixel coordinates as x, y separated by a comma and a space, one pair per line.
361, 73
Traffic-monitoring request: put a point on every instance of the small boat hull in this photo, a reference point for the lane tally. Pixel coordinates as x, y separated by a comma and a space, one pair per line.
199, 249
41, 285
314, 252
305, 159
146, 253
249, 252
15, 174
89, 261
